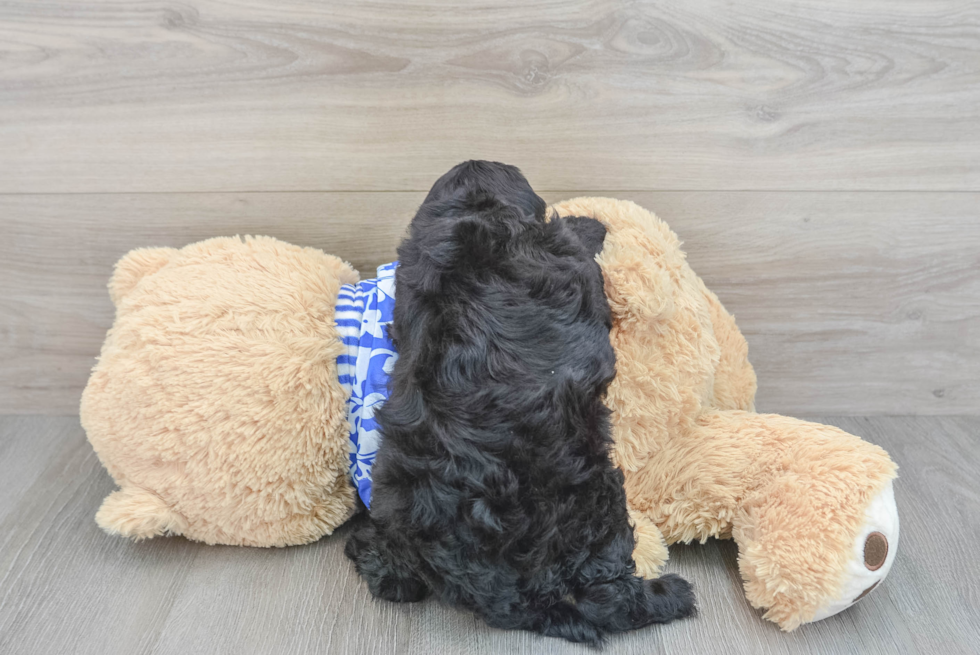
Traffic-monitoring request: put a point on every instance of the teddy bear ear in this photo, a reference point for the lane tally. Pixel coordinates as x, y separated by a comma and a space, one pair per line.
134, 266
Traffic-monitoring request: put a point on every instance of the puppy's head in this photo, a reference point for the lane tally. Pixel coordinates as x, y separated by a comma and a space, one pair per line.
476, 183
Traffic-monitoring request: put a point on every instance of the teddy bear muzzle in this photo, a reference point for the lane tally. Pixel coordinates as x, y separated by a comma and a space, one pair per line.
873, 554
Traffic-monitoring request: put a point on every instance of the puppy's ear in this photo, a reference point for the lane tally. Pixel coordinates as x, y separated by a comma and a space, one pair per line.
590, 232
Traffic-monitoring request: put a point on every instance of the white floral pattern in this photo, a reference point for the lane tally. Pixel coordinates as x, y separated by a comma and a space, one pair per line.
362, 316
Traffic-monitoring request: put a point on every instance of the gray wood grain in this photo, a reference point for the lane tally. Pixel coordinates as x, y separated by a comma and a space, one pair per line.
110, 95
852, 303
65, 587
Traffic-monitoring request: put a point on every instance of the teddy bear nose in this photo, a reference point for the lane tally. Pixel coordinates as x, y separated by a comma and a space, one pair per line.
875, 554
875, 551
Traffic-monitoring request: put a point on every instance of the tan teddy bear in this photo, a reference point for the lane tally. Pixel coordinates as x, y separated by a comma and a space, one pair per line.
217, 409
810, 506
215, 404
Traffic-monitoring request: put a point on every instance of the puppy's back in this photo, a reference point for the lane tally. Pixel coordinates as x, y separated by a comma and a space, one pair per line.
502, 329
493, 485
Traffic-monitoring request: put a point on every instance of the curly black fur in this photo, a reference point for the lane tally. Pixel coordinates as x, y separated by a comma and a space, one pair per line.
493, 486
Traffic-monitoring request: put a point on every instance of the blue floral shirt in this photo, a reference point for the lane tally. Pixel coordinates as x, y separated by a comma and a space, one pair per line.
363, 313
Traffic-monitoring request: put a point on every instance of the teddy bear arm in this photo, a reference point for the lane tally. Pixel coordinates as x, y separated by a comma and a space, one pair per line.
735, 381
650, 549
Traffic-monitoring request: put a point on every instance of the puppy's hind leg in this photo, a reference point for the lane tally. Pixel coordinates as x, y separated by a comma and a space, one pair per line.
629, 602
386, 577
561, 619
566, 621
665, 598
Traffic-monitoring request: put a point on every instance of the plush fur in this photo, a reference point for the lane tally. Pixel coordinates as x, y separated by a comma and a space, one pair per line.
699, 462
493, 486
215, 403
216, 408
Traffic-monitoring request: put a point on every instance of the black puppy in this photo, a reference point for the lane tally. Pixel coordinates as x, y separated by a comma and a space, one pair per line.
493, 486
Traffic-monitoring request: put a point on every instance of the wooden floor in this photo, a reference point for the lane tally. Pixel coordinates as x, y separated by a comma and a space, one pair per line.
819, 158
66, 587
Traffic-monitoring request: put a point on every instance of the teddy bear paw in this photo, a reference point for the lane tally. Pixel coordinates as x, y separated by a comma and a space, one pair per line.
873, 553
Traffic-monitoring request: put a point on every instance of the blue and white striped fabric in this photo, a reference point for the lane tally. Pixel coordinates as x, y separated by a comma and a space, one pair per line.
363, 313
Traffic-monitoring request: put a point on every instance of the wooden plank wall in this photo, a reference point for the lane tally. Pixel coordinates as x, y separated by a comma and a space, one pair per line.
820, 159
